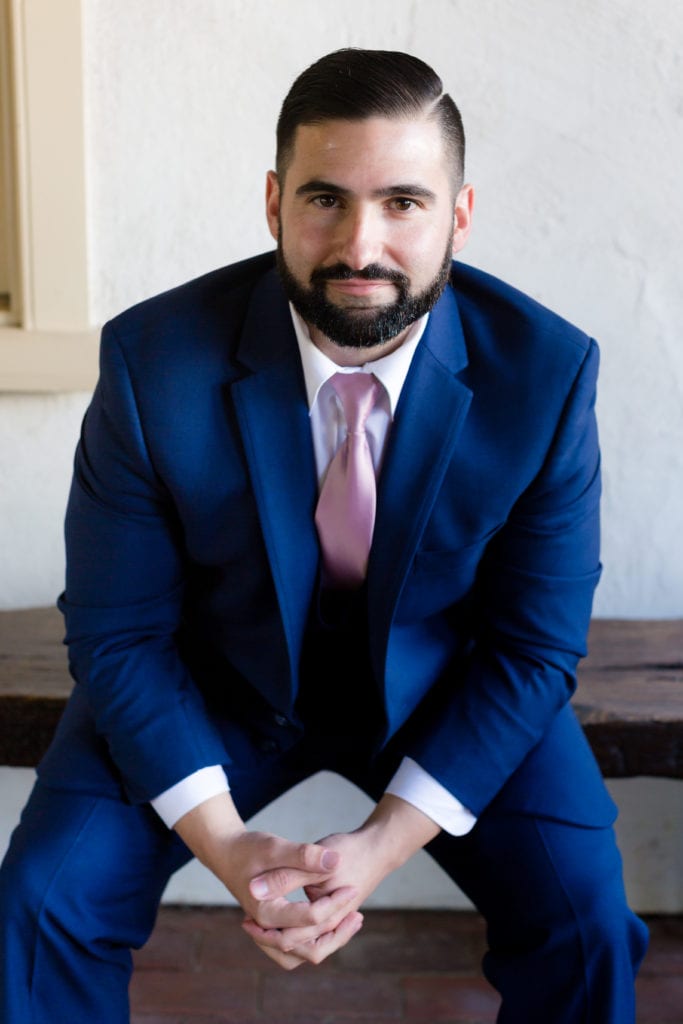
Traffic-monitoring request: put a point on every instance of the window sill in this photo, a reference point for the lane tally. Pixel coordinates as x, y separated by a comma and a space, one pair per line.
47, 361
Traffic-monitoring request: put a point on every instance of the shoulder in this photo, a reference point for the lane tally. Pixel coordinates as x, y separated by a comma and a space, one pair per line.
165, 362
216, 300
505, 327
488, 304
185, 338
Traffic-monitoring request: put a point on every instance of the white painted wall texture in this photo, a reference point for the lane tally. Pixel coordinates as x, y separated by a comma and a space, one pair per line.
574, 115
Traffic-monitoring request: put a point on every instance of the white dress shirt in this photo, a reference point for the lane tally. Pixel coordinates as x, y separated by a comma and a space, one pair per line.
328, 429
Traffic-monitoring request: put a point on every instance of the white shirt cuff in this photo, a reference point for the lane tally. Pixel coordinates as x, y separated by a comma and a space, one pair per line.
187, 794
414, 785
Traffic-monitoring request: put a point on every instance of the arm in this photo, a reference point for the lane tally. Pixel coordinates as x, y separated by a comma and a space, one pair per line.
123, 597
532, 604
123, 607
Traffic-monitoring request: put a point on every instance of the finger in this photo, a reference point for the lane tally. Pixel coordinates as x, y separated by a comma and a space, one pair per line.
282, 881
310, 858
281, 913
315, 892
287, 960
318, 950
288, 939
294, 940
293, 866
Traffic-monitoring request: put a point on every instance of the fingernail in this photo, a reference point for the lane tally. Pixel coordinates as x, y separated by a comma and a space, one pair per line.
259, 888
329, 860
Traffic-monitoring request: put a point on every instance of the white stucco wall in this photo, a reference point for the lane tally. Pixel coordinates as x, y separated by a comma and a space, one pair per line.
574, 115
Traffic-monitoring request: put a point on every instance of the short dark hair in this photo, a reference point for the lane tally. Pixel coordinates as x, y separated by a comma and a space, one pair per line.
353, 84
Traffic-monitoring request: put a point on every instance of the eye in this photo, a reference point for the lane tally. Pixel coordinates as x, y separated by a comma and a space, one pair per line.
403, 204
326, 201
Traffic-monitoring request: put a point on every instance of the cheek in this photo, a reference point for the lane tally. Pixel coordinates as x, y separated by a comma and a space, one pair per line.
423, 247
304, 242
421, 262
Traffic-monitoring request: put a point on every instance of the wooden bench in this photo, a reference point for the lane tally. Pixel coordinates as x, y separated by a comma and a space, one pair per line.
629, 699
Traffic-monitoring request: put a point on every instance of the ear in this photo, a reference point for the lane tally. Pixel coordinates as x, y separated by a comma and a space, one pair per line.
273, 203
462, 217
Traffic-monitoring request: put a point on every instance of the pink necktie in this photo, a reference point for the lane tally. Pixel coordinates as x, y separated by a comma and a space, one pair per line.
345, 516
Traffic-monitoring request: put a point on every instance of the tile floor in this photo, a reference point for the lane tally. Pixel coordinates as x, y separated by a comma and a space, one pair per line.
418, 967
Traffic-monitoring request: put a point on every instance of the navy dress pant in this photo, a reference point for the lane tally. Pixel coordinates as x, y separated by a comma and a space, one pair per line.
82, 880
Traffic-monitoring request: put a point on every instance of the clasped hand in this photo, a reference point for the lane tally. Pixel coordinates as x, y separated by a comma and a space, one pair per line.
350, 874
394, 832
337, 874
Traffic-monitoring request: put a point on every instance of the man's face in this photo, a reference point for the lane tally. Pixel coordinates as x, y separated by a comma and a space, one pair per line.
366, 224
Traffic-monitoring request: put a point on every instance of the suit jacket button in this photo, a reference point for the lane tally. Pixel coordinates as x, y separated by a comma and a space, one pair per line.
279, 719
267, 745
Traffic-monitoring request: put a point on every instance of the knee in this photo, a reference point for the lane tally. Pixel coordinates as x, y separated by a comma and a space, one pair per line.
20, 886
20, 903
38, 856
591, 905
576, 895
608, 927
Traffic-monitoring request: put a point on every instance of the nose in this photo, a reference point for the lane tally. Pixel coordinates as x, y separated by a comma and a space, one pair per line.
359, 240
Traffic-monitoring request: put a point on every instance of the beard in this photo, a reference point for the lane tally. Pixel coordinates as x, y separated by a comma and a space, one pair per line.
360, 328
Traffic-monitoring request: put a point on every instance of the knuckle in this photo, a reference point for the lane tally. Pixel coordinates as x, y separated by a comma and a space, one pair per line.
279, 942
336, 921
287, 940
279, 879
307, 856
274, 941
317, 912
291, 939
270, 846
261, 916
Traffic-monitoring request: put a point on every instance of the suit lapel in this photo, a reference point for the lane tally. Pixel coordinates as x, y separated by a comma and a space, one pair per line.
272, 413
428, 420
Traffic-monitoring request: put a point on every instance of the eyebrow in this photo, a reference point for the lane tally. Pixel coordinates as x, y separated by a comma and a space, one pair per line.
400, 189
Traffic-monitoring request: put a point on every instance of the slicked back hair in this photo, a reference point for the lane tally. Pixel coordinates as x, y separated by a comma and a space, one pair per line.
353, 84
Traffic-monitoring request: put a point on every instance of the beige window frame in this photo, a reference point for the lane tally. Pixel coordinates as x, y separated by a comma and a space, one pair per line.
8, 227
46, 341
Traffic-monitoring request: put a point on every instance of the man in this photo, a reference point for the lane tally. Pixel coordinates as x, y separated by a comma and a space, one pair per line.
226, 628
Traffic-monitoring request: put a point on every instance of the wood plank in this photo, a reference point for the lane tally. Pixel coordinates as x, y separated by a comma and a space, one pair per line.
629, 698
34, 683
33, 660
629, 643
628, 749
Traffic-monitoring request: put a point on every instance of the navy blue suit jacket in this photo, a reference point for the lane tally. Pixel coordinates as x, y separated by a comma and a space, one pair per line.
193, 557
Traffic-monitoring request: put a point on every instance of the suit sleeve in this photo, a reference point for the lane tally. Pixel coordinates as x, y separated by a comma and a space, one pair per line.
532, 607
123, 597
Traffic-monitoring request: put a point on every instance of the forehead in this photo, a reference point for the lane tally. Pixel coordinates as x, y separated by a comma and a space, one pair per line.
376, 150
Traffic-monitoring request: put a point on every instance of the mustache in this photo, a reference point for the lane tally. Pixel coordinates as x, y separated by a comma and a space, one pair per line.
372, 272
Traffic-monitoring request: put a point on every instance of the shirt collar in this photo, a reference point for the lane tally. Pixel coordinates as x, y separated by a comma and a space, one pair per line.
391, 370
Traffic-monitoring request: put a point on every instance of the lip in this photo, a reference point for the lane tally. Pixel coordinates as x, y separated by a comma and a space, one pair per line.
359, 286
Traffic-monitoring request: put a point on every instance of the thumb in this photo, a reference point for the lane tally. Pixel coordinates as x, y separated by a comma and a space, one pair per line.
316, 892
315, 864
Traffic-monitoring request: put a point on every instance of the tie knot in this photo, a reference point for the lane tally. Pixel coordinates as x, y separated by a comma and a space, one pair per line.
357, 393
